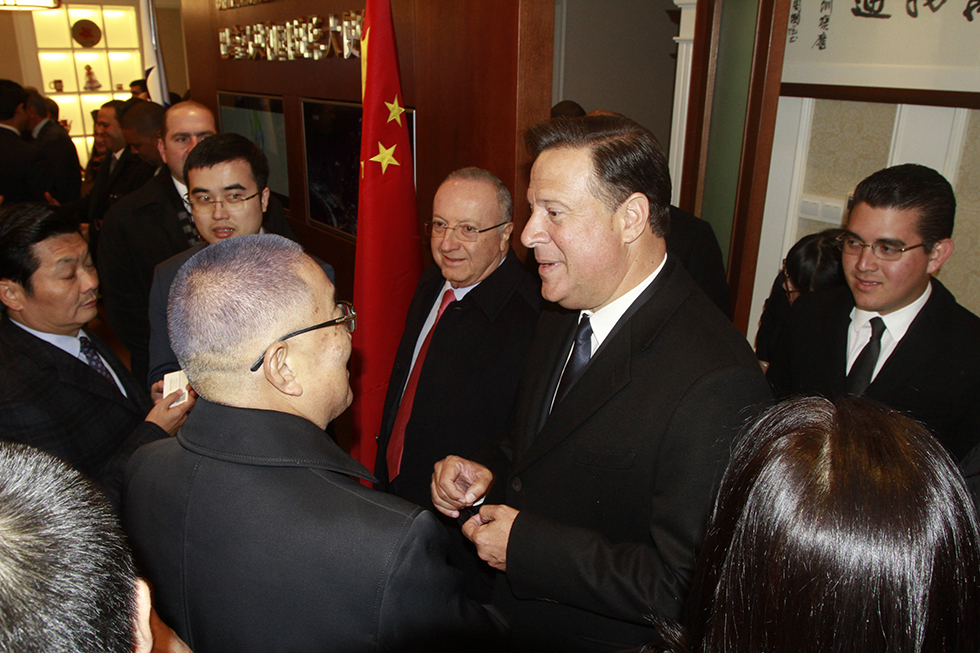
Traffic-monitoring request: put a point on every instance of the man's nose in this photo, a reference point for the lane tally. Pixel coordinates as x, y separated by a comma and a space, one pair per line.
533, 233
867, 259
449, 241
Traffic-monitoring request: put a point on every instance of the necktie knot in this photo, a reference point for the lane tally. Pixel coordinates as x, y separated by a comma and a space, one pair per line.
862, 371
581, 354
94, 360
877, 328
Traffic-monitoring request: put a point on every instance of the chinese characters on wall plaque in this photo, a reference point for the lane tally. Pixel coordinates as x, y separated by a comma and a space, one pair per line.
312, 37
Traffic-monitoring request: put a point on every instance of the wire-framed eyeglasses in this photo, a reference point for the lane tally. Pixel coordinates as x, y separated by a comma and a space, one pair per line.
233, 202
466, 232
854, 247
348, 319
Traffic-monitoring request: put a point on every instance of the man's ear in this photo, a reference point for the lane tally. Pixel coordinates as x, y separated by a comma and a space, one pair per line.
636, 216
277, 372
162, 150
12, 294
266, 193
505, 236
940, 252
142, 631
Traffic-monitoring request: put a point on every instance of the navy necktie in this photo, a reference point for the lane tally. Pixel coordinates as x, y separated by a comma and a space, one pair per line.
859, 378
581, 353
93, 359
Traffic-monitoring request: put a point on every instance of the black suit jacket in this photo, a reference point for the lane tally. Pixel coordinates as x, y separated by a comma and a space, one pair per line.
56, 402
615, 484
933, 374
141, 231
257, 536
66, 171
24, 172
693, 242
468, 385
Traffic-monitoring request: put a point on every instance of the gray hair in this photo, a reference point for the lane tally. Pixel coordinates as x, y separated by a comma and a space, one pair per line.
67, 579
479, 174
231, 299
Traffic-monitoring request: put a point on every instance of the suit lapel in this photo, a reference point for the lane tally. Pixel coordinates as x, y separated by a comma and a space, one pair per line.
607, 373
913, 352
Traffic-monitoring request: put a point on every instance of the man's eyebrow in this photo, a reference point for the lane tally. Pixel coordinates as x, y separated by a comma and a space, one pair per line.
234, 187
198, 189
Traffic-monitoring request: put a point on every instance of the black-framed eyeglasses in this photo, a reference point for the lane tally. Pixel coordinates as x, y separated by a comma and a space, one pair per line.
465, 232
233, 202
348, 319
854, 246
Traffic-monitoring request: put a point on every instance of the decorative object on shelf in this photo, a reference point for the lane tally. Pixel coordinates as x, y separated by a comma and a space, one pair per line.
303, 38
86, 33
91, 83
29, 5
57, 85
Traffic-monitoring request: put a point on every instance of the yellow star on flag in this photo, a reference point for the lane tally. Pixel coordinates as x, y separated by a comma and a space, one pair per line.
396, 111
385, 157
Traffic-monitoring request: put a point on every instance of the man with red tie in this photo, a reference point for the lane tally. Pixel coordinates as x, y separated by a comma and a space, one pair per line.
461, 356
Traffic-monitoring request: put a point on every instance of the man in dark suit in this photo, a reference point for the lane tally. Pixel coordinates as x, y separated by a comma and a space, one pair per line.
24, 172
231, 167
120, 173
251, 524
635, 387
55, 143
147, 227
61, 388
923, 349
463, 397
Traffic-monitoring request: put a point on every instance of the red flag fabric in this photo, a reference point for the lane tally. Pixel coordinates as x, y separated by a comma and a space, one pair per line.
388, 259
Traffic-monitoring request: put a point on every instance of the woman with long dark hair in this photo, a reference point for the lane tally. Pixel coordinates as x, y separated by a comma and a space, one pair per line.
839, 527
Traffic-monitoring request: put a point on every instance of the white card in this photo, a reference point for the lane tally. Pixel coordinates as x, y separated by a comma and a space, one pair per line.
173, 382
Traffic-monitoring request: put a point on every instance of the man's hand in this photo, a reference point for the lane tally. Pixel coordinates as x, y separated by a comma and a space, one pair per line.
489, 530
458, 483
156, 391
171, 418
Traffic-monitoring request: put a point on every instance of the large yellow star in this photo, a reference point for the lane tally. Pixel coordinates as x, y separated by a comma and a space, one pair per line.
385, 157
396, 111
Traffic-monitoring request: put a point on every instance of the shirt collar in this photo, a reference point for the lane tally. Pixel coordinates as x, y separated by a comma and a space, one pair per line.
39, 126
68, 344
604, 320
897, 322
182, 191
13, 129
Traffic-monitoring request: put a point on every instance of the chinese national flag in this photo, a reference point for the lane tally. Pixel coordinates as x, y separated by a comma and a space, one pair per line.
388, 259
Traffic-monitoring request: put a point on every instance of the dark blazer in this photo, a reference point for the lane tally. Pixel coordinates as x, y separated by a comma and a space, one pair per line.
468, 385
109, 186
161, 357
57, 403
257, 536
66, 171
616, 484
933, 374
693, 242
141, 231
24, 172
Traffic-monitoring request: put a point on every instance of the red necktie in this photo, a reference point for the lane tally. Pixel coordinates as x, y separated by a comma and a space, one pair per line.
396, 445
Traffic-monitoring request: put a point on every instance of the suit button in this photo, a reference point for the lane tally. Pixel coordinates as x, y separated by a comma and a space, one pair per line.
516, 484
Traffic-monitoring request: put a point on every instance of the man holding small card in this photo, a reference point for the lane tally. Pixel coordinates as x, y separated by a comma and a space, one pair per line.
61, 388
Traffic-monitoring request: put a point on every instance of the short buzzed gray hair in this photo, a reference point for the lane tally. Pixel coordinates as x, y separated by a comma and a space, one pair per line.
230, 300
67, 578
479, 174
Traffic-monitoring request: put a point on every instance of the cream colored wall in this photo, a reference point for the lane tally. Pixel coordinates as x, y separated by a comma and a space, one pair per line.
9, 56
848, 141
961, 274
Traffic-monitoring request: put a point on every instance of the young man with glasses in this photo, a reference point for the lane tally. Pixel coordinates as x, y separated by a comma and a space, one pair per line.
252, 525
894, 334
228, 195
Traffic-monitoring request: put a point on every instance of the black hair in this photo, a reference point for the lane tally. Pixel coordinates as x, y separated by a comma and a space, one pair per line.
21, 227
814, 262
12, 95
229, 147
913, 186
626, 159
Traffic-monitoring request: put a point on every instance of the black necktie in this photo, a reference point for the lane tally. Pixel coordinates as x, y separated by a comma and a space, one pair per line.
859, 377
581, 352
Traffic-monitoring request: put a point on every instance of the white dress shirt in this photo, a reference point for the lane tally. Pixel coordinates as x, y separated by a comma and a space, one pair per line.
897, 323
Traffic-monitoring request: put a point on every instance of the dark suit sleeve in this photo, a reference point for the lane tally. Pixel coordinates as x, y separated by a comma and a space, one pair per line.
631, 581
423, 606
780, 372
162, 357
121, 290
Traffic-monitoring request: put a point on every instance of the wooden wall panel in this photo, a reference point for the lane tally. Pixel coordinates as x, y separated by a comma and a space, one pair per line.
476, 72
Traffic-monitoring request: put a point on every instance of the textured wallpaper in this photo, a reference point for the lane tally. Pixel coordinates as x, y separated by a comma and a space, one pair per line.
848, 141
961, 274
